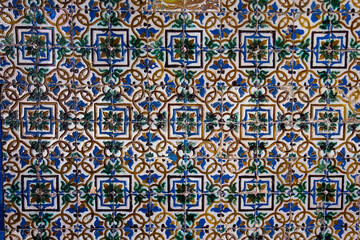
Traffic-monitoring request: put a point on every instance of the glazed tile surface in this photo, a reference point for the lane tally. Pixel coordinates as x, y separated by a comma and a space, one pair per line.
180, 119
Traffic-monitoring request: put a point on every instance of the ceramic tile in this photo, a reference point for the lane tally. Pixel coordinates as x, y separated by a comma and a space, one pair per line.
179, 119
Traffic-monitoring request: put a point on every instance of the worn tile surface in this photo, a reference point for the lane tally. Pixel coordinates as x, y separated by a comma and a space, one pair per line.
180, 119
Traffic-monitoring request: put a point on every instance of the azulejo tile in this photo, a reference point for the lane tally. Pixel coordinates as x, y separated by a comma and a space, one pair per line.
179, 119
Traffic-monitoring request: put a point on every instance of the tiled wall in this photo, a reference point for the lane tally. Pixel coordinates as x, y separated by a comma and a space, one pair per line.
180, 119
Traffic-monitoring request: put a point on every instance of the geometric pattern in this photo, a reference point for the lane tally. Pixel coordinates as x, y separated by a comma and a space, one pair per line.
179, 119
256, 49
323, 43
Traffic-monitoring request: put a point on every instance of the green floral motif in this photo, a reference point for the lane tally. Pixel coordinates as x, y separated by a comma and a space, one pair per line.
231, 195
41, 236
39, 146
67, 188
111, 75
160, 189
138, 45
13, 193
112, 96
186, 121
87, 121
66, 120
110, 47
328, 96
211, 44
211, 196
255, 236
252, 218
282, 192
325, 192
282, 121
157, 51
63, 50
180, 235
184, 49
257, 148
282, 49
258, 122
112, 168
39, 120
184, 75
325, 236
256, 49
33, 17
211, 122
335, 4
110, 17
40, 193
43, 167
113, 121
356, 122
256, 4
186, 193
181, 21
258, 196
327, 147
37, 74
113, 147
7, 47
302, 121
330, 22
160, 120
113, 236
89, 198
38, 95
114, 218
233, 122
328, 50
185, 96
113, 193
328, 121
257, 77
139, 121
112, 2
41, 220
354, 54
256, 21
300, 190
230, 47
35, 45
303, 49
12, 120
141, 193
83, 48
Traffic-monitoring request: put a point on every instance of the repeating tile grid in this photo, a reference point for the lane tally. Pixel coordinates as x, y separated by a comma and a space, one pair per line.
210, 131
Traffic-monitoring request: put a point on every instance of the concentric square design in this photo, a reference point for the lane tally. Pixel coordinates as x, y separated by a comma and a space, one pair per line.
38, 120
184, 47
256, 49
257, 122
35, 46
186, 193
110, 46
329, 122
113, 121
115, 193
256, 193
329, 49
38, 194
327, 190
185, 120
